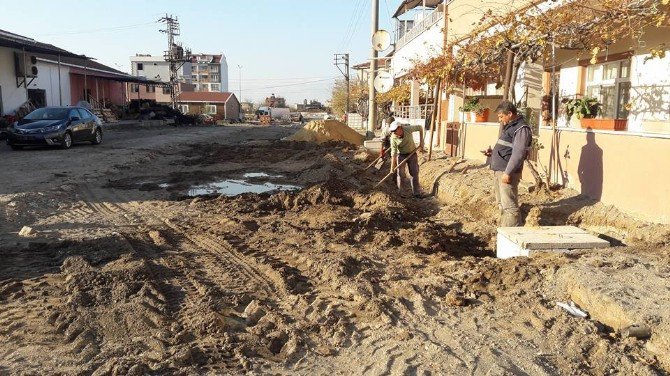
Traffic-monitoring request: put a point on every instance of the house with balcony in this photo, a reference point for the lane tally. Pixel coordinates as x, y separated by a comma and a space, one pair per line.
614, 158
418, 36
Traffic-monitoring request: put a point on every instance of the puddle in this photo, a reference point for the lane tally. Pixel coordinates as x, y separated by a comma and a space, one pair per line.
236, 187
251, 175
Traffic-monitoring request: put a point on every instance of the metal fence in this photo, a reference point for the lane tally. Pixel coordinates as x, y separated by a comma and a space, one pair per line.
419, 28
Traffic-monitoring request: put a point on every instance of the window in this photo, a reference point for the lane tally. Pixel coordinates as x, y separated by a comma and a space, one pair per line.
84, 114
134, 88
151, 89
195, 77
74, 113
183, 108
215, 77
166, 90
210, 109
140, 66
214, 69
609, 83
215, 87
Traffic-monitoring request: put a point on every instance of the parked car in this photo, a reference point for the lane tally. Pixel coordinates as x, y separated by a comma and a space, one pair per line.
55, 126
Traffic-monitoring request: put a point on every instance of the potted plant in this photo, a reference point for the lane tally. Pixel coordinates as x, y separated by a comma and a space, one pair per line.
587, 109
475, 111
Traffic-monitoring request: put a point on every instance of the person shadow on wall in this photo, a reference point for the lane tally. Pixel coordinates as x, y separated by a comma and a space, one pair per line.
590, 168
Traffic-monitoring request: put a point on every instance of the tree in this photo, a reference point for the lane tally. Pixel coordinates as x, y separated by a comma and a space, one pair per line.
358, 91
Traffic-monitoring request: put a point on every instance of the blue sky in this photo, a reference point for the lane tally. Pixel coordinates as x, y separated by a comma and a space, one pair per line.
284, 47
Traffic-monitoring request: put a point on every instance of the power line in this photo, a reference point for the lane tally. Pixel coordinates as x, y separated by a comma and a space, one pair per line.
88, 31
354, 16
357, 23
281, 79
296, 84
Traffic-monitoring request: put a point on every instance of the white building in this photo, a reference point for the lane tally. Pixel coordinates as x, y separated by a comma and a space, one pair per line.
156, 68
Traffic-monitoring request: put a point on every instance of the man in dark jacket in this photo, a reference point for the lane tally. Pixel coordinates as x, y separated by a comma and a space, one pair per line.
507, 159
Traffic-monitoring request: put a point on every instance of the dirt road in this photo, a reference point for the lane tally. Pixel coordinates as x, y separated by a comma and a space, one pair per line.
141, 263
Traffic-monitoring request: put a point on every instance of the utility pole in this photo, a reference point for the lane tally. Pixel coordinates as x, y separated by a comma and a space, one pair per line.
344, 59
174, 55
240, 67
372, 102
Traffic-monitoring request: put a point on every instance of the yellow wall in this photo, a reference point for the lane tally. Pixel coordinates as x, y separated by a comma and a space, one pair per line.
622, 169
627, 170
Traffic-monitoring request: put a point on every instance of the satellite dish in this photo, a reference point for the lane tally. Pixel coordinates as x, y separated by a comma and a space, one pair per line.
381, 40
383, 82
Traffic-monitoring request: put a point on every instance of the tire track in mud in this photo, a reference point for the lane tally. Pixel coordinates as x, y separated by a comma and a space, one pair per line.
196, 269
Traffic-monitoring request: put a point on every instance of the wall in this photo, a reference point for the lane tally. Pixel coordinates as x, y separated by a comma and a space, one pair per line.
232, 108
12, 97
224, 75
477, 137
112, 90
423, 47
47, 79
623, 169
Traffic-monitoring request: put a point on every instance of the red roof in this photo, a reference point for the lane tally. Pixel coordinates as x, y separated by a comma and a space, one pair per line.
204, 96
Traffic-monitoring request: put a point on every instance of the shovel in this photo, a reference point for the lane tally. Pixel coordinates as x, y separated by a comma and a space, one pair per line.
396, 168
378, 162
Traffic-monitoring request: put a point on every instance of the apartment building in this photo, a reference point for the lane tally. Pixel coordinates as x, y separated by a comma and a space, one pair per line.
209, 73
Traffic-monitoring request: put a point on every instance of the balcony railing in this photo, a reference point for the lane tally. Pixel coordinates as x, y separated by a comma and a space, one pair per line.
416, 112
419, 28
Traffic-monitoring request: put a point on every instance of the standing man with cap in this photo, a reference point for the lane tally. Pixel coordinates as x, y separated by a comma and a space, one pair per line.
403, 147
507, 159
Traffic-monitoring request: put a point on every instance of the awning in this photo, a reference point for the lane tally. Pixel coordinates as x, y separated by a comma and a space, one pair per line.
408, 5
117, 77
19, 42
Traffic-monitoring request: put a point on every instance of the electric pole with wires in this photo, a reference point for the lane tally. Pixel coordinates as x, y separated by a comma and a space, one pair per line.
343, 60
175, 54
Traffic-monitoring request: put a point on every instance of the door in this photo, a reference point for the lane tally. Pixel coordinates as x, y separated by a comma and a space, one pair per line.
88, 123
77, 126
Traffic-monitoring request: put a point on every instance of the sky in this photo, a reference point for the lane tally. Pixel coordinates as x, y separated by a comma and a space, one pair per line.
284, 47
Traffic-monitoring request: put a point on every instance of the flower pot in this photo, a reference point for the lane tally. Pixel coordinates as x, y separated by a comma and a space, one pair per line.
483, 117
605, 124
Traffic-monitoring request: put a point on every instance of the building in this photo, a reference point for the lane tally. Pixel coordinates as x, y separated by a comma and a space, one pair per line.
222, 106
209, 73
630, 77
156, 68
47, 75
274, 101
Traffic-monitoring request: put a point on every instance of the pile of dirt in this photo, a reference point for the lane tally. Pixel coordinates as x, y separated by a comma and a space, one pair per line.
321, 131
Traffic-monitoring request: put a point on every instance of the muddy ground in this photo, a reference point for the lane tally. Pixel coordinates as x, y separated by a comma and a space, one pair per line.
135, 266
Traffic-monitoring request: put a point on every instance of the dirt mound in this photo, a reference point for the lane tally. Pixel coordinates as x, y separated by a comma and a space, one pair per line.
321, 131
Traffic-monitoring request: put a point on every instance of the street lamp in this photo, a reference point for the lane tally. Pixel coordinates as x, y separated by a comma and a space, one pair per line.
239, 66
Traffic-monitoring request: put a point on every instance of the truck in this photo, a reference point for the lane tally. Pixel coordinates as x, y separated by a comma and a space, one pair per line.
276, 113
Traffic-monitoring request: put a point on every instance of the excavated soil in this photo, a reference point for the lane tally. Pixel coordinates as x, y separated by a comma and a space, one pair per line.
127, 274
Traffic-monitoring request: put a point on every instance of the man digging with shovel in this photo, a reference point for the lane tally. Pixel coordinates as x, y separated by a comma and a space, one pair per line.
403, 148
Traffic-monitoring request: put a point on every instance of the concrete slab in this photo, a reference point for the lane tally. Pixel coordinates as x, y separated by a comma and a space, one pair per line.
522, 241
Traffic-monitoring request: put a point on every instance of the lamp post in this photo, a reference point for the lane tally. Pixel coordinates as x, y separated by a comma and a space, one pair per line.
239, 66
